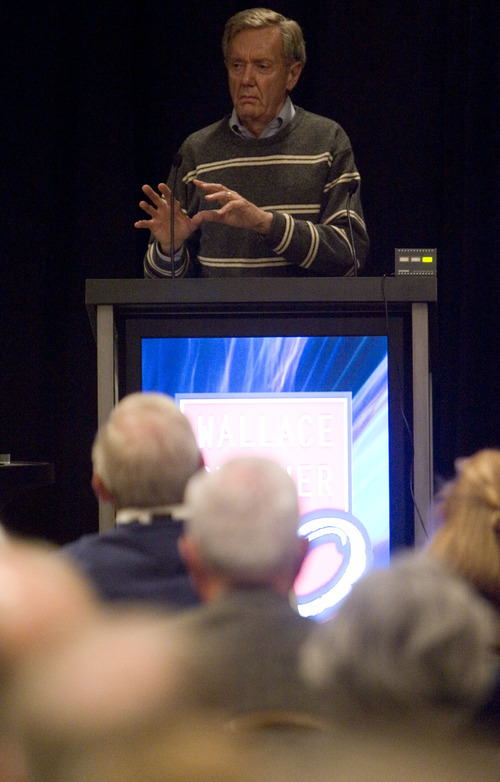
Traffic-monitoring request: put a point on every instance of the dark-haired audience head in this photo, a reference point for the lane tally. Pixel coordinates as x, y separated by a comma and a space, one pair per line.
145, 453
467, 513
241, 525
408, 640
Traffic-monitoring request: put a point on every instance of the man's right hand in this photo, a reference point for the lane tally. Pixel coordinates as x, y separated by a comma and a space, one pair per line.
159, 222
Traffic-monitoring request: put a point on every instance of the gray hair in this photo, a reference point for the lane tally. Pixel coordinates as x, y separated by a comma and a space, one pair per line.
244, 518
146, 451
412, 635
294, 47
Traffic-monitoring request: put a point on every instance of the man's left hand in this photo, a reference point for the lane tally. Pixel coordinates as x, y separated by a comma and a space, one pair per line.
235, 210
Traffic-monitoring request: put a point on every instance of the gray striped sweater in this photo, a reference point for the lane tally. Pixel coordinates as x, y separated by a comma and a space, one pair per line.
300, 174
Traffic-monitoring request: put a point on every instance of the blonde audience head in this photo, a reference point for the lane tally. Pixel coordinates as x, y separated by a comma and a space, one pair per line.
467, 510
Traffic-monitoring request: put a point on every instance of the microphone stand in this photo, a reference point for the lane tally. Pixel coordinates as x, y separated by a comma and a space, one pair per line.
175, 165
351, 189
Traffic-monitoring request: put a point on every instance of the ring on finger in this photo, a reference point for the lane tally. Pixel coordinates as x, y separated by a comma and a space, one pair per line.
229, 195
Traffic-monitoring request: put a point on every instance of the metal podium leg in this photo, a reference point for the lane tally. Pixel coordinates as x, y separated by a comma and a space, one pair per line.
106, 388
422, 423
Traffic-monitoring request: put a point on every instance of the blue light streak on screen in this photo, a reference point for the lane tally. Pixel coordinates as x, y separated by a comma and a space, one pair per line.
256, 364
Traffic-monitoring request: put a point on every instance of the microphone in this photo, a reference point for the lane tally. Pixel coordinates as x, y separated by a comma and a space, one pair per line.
352, 186
176, 162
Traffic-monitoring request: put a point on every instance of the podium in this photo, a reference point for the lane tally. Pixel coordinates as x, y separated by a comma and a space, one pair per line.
113, 305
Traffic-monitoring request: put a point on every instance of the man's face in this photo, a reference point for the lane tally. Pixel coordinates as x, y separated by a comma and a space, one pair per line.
259, 77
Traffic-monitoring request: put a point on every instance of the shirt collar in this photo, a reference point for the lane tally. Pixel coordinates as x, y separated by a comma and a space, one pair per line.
282, 118
144, 515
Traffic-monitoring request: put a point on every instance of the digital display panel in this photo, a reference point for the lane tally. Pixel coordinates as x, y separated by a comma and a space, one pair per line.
319, 405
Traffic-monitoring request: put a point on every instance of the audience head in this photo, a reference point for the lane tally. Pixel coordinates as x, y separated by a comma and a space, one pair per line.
42, 599
412, 638
107, 704
145, 453
110, 672
467, 510
241, 524
294, 48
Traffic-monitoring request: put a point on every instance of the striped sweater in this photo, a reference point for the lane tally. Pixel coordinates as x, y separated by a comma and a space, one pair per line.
301, 175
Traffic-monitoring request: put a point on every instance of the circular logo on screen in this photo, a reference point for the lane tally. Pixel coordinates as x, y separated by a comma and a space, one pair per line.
340, 551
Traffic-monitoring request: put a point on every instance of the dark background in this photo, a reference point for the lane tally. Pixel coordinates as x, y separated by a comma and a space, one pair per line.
97, 97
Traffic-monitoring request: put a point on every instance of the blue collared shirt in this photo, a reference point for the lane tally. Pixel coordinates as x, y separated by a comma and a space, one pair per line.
281, 119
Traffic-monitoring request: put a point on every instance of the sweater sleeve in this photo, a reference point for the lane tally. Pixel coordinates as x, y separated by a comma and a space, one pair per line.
156, 264
323, 248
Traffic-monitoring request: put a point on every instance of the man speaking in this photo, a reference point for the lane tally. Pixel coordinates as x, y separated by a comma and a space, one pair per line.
265, 191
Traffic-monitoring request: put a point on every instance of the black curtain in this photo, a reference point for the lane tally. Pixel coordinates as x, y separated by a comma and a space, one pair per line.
96, 99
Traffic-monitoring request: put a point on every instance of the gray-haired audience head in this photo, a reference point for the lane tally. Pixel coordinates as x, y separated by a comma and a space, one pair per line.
410, 638
294, 48
145, 453
243, 519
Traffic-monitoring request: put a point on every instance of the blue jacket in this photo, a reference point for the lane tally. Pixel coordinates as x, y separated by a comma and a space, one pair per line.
136, 563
